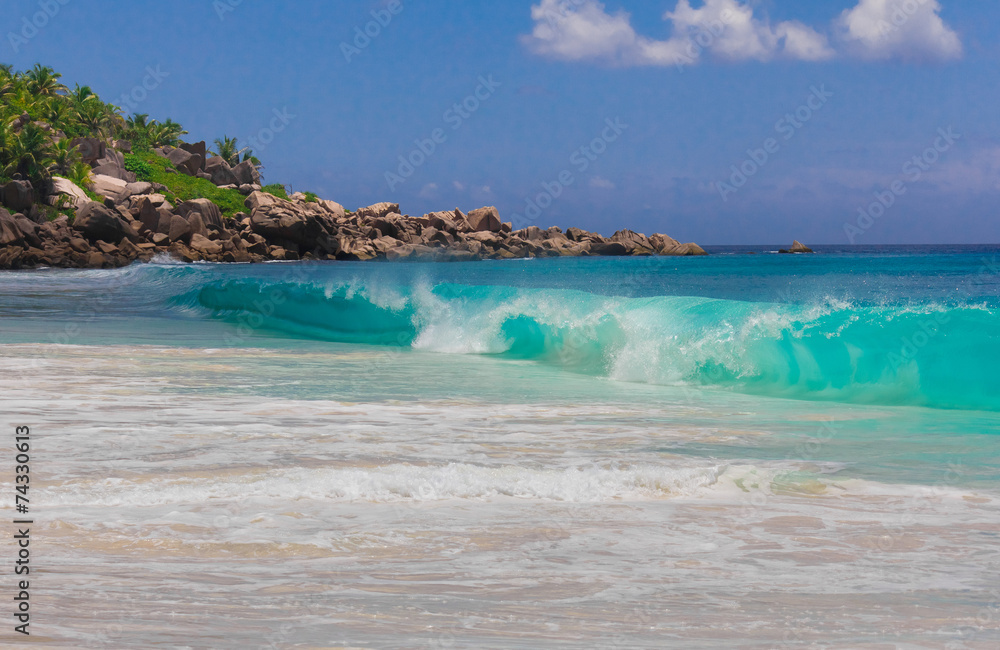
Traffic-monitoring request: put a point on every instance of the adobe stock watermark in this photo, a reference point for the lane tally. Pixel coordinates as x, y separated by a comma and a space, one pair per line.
581, 159
563, 11
902, 12
932, 325
913, 171
140, 92
259, 142
223, 7
786, 128
32, 25
454, 117
363, 37
702, 37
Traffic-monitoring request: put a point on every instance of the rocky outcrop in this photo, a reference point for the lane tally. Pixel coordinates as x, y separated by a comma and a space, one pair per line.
797, 248
91, 149
219, 172
64, 192
378, 210
664, 245
98, 222
484, 220
199, 149
183, 161
135, 221
113, 165
18, 196
10, 233
109, 187
246, 173
195, 160
209, 212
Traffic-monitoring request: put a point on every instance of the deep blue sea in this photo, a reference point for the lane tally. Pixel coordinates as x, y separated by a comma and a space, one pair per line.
741, 450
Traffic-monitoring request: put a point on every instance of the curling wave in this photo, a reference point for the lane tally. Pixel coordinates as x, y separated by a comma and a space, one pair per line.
929, 354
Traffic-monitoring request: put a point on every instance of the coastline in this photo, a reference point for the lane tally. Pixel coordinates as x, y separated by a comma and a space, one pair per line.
136, 221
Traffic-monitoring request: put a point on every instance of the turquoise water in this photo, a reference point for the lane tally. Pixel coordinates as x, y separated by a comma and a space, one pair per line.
921, 330
780, 412
893, 328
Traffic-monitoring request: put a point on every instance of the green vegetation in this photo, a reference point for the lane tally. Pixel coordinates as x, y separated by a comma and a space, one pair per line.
276, 189
143, 170
146, 134
311, 197
52, 213
229, 150
181, 187
40, 117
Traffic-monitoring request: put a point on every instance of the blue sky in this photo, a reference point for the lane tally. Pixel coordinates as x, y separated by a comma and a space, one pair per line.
694, 89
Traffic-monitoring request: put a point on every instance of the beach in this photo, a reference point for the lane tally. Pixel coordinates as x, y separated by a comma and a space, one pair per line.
731, 451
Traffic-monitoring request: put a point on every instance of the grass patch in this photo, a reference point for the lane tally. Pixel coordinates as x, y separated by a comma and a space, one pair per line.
51, 213
276, 189
181, 187
143, 170
93, 196
311, 197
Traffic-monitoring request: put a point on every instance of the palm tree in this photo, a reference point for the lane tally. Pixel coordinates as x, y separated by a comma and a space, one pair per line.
19, 99
79, 173
248, 155
166, 134
5, 142
93, 118
29, 154
58, 111
44, 82
139, 122
228, 149
64, 155
6, 76
113, 117
137, 129
81, 94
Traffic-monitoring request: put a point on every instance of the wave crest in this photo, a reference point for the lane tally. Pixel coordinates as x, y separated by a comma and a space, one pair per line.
929, 355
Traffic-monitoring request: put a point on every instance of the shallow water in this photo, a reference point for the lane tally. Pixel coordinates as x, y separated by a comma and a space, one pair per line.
392, 456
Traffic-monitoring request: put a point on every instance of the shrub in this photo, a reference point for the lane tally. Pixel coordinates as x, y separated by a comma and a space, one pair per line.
51, 213
276, 189
80, 174
311, 198
142, 169
181, 187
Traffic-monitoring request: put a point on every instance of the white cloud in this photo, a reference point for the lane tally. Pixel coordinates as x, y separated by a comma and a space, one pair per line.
804, 43
575, 30
728, 30
601, 183
581, 30
905, 29
458, 186
428, 191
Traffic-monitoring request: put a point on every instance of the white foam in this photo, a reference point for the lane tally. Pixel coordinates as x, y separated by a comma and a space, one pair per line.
403, 482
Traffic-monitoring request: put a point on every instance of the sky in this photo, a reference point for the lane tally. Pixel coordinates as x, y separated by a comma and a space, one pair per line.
715, 121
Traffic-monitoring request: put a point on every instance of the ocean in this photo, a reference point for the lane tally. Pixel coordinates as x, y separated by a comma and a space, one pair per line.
746, 450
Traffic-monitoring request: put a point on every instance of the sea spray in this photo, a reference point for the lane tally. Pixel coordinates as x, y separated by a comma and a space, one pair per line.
829, 350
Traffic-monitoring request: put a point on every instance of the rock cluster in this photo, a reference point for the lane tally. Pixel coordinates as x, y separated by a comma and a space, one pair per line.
136, 222
193, 160
797, 247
